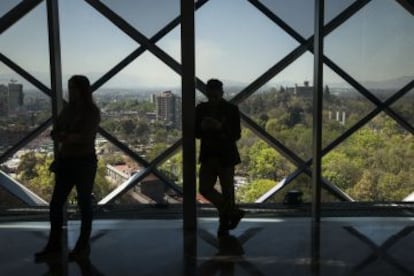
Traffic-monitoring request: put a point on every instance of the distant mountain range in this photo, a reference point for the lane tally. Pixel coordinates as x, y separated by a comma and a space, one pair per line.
131, 82
389, 84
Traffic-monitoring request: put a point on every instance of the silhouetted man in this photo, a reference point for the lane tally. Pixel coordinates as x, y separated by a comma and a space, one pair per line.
218, 127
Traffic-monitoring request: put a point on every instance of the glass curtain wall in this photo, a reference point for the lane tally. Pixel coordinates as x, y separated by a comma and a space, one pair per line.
263, 53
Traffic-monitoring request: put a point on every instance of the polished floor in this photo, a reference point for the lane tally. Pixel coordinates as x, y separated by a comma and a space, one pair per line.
259, 246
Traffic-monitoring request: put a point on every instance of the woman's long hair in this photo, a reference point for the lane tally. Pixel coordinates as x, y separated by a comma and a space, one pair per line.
85, 93
84, 100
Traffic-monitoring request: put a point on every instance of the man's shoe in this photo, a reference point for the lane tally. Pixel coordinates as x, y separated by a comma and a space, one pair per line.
80, 252
223, 232
223, 229
235, 218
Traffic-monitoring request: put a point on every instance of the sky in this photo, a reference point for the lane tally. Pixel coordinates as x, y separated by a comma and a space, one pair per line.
234, 42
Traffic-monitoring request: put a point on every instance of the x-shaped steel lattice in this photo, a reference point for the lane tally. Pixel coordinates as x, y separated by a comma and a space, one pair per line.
149, 44
382, 250
230, 252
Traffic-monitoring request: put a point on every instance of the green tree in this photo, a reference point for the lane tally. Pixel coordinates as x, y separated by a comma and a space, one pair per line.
27, 166
252, 191
127, 127
366, 188
266, 163
102, 186
42, 183
155, 150
339, 169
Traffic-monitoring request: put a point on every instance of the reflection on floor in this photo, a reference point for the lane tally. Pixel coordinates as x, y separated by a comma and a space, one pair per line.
347, 246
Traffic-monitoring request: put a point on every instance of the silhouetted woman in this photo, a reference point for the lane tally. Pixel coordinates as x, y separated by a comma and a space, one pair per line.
74, 165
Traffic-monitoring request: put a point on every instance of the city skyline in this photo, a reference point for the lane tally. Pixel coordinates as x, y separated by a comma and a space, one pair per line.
350, 46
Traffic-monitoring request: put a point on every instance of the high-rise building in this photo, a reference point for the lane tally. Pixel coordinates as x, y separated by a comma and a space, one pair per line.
4, 100
168, 108
15, 97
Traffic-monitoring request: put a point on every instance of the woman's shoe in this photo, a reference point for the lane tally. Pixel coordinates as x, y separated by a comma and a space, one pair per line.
48, 253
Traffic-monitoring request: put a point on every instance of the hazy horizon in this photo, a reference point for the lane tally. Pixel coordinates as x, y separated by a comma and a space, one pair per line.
396, 83
227, 46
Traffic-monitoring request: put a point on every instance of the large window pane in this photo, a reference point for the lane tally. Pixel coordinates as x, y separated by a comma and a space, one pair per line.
335, 7
30, 166
293, 13
23, 109
114, 169
91, 44
374, 47
141, 106
374, 164
343, 106
234, 49
283, 107
147, 16
7, 5
8, 200
261, 168
26, 44
405, 107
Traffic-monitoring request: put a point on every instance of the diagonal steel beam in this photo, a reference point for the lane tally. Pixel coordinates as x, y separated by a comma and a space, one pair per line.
124, 187
343, 16
381, 107
408, 5
25, 74
341, 138
25, 140
20, 10
135, 35
329, 27
361, 89
332, 25
139, 176
131, 182
277, 20
306, 44
122, 146
277, 68
296, 53
140, 38
275, 143
20, 191
337, 21
292, 157
158, 52
272, 72
149, 45
140, 50
148, 168
136, 157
